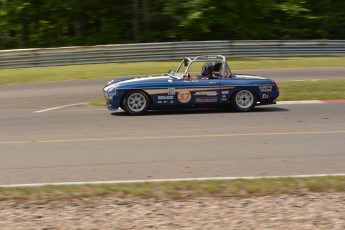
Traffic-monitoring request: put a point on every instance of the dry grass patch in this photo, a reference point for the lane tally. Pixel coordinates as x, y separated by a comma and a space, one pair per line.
181, 190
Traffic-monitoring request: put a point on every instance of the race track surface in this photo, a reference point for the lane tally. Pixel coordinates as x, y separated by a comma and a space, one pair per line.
82, 143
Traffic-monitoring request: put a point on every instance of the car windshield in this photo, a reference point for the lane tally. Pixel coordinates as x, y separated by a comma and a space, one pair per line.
194, 68
174, 74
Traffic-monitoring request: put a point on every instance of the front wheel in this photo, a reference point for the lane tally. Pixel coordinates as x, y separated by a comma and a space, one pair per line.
136, 102
243, 101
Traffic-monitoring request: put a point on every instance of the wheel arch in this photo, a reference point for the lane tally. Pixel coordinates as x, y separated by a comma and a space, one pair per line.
130, 91
233, 94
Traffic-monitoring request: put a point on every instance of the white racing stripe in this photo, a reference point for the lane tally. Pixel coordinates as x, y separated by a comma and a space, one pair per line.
59, 107
164, 180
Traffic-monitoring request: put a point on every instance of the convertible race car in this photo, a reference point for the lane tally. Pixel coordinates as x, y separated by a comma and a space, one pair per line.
202, 81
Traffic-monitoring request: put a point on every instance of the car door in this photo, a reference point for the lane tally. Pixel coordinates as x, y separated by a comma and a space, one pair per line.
201, 92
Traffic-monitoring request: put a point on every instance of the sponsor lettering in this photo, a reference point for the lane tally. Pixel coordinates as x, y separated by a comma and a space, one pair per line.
265, 88
206, 99
205, 93
225, 92
165, 97
264, 96
165, 102
171, 91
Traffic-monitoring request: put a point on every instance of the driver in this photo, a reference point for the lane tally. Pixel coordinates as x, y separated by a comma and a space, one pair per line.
206, 70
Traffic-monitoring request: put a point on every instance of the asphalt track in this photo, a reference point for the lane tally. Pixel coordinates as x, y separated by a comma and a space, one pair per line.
82, 143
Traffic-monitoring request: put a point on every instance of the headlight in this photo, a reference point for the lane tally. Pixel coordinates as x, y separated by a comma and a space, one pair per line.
111, 93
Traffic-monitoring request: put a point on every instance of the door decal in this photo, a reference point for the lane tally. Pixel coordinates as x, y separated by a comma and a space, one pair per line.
184, 96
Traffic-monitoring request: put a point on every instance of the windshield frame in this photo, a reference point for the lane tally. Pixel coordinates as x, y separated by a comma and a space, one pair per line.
205, 59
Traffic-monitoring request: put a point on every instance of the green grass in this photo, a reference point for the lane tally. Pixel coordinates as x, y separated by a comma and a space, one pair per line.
312, 90
98, 102
286, 62
59, 73
180, 190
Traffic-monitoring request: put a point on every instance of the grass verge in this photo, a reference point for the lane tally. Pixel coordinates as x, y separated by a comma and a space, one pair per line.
58, 73
98, 102
296, 90
183, 189
312, 90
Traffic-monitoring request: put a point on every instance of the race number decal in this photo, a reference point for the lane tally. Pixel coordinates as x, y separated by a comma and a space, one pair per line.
184, 96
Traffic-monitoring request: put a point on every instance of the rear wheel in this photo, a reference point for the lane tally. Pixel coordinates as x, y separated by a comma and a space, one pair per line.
243, 101
136, 102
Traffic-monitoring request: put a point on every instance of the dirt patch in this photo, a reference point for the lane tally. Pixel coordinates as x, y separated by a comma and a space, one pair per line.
307, 211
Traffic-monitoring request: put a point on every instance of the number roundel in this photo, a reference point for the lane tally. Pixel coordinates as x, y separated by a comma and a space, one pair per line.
184, 96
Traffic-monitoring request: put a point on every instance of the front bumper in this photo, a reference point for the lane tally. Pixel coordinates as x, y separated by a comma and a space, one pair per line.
113, 105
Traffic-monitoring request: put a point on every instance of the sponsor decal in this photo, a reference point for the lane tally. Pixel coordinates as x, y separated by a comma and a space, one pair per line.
165, 97
225, 92
205, 93
224, 98
165, 102
265, 96
171, 91
265, 88
206, 99
184, 96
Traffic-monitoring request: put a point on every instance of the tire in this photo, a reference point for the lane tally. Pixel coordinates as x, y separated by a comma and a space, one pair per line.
136, 102
243, 101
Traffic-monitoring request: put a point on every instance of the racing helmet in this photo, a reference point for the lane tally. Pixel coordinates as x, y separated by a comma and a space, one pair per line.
206, 69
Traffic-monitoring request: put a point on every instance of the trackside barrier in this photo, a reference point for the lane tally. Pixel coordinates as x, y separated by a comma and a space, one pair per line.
20, 58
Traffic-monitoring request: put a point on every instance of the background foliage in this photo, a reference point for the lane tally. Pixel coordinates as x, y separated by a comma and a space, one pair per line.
52, 23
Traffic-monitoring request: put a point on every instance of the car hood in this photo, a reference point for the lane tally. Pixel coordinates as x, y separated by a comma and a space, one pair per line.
129, 82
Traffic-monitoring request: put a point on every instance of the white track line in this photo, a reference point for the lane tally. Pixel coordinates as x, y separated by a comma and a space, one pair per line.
59, 107
119, 110
311, 80
300, 102
164, 180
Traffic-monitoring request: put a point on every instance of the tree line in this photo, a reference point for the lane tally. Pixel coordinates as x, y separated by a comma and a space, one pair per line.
53, 23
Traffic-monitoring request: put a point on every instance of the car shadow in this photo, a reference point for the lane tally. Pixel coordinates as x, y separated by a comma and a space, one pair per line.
200, 111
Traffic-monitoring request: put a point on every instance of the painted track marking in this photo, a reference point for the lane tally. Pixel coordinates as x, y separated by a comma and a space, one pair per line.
278, 103
59, 107
171, 137
300, 102
164, 180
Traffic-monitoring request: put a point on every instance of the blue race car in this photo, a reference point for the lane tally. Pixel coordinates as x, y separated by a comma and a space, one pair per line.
202, 81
